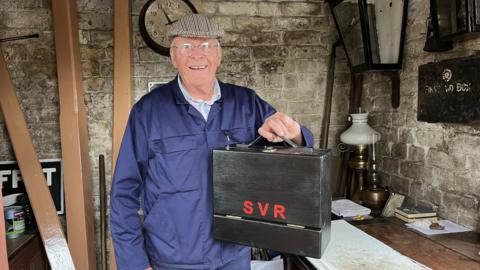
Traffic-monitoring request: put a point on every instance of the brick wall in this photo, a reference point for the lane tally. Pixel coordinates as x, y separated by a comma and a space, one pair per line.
278, 48
436, 164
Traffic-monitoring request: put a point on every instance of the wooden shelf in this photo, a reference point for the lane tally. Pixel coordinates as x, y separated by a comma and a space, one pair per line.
26, 252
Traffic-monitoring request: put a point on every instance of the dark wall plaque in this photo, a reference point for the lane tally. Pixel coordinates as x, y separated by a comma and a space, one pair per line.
52, 168
449, 91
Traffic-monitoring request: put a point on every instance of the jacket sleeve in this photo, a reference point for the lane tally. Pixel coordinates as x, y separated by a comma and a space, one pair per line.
264, 110
127, 186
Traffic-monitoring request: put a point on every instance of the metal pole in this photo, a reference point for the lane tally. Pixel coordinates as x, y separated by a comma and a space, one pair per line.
327, 109
103, 211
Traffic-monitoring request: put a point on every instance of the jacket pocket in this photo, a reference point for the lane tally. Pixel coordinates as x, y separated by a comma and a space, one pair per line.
175, 160
174, 228
159, 231
177, 143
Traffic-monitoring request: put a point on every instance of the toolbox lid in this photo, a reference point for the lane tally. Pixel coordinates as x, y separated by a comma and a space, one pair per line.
282, 150
287, 185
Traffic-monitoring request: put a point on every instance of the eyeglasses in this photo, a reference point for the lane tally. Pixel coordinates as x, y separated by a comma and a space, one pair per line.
187, 48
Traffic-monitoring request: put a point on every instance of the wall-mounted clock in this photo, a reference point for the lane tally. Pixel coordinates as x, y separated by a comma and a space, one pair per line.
155, 19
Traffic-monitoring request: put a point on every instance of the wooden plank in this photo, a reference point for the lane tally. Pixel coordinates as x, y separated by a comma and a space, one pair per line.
122, 78
35, 183
122, 81
74, 136
3, 242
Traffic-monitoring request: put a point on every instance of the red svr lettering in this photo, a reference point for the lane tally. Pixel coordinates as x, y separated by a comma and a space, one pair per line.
279, 210
263, 211
248, 207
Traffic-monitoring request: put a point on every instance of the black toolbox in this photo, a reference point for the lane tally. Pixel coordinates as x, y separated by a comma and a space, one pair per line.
275, 197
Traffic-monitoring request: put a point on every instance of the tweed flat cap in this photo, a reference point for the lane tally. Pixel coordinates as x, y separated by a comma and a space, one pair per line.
195, 25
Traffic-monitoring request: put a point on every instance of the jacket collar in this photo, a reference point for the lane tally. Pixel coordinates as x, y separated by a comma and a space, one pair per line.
180, 98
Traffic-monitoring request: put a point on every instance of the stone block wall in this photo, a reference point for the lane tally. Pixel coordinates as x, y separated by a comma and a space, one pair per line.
436, 164
279, 48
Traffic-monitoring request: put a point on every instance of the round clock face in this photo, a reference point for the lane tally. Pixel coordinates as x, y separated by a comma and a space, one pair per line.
156, 17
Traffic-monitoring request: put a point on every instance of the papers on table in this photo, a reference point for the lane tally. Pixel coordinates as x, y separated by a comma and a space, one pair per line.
347, 208
274, 264
352, 249
423, 226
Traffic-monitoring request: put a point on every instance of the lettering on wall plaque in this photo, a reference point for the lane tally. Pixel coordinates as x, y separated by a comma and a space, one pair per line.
52, 169
449, 91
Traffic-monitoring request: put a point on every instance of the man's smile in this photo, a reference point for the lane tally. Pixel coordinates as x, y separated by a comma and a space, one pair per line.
198, 67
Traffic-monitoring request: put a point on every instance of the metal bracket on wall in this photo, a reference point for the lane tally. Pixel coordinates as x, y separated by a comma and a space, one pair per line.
18, 38
395, 79
356, 92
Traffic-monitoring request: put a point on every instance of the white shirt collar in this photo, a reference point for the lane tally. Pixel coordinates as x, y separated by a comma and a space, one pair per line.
216, 93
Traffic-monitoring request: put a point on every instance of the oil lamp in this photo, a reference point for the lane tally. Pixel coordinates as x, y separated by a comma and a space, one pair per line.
359, 136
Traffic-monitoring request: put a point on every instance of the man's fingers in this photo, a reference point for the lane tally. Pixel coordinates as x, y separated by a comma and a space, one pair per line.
273, 129
277, 126
269, 135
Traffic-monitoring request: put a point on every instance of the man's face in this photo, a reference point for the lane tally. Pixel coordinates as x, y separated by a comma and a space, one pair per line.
196, 59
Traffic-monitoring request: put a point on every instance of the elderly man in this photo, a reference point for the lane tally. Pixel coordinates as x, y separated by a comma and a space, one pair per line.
164, 165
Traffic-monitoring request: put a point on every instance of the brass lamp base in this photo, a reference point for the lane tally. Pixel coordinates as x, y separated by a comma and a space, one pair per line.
359, 165
374, 198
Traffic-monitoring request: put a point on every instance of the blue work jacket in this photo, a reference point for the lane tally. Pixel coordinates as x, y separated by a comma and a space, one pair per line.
164, 167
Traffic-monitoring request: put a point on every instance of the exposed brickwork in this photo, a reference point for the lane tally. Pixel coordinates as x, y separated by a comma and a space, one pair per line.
438, 162
279, 48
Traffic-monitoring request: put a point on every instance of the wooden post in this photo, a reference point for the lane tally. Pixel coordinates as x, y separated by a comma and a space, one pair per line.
3, 242
74, 136
35, 183
122, 82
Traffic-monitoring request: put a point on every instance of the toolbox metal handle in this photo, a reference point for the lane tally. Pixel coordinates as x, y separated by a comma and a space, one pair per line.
285, 139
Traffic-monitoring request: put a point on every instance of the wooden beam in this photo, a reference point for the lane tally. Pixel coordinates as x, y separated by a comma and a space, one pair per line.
3, 242
122, 82
35, 183
74, 136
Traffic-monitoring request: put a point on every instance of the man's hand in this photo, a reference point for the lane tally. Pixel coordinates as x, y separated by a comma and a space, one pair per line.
281, 125
149, 268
